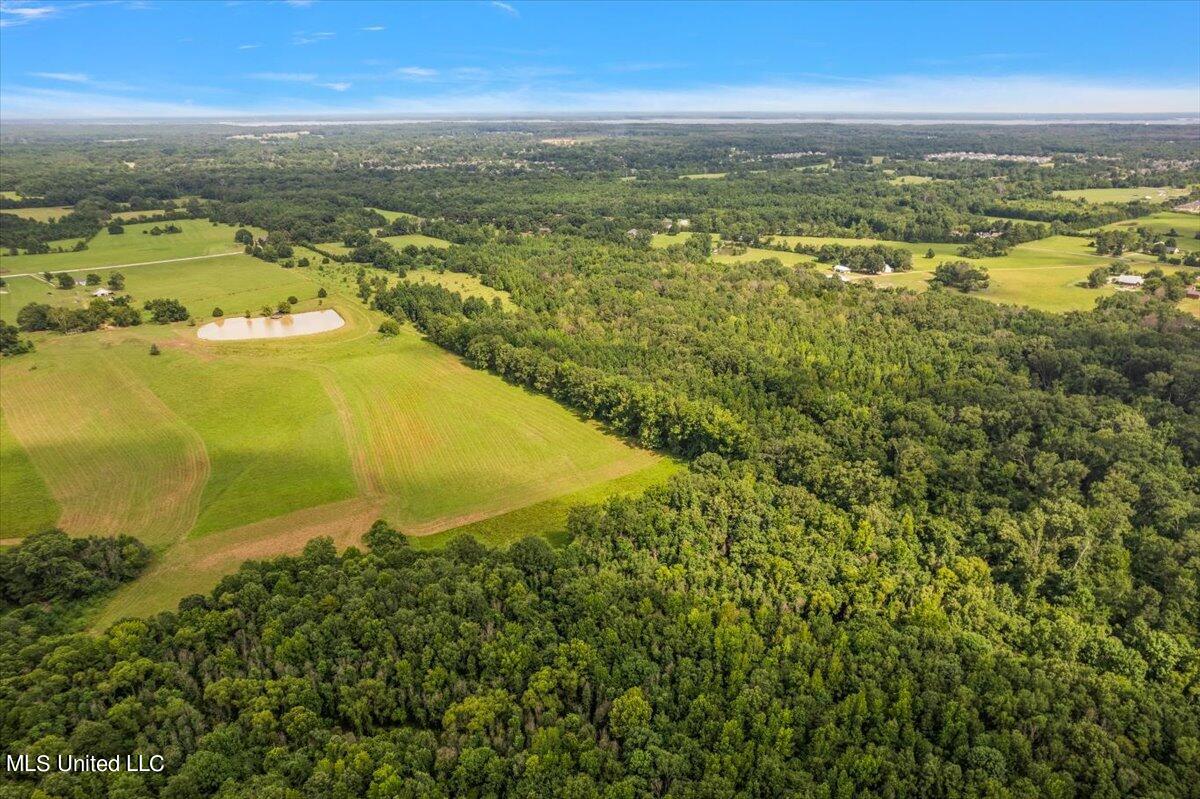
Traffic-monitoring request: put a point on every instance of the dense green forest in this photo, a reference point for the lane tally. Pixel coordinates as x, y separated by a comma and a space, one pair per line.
926, 545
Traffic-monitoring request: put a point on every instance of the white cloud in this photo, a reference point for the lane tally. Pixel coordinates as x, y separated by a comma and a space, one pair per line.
505, 7
374, 28
302, 38
249, 46
68, 77
298, 3
20, 13
337, 86
415, 72
284, 77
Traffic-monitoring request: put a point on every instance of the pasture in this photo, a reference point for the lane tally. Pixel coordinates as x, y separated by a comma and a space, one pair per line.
40, 214
704, 176
1185, 226
464, 285
215, 452
135, 245
1148, 194
235, 283
393, 215
1043, 274
399, 242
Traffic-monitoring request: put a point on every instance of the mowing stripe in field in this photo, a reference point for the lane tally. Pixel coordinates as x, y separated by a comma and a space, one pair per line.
114, 457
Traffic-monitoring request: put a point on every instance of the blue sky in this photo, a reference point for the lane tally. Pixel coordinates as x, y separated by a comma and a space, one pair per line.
125, 58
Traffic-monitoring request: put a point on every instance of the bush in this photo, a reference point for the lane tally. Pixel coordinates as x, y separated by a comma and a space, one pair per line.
154, 350
218, 312
389, 327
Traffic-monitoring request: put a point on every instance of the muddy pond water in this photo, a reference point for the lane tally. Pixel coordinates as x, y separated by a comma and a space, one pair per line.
238, 328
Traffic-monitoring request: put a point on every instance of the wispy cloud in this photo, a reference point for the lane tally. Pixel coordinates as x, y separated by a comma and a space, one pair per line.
298, 3
506, 8
415, 72
301, 77
645, 66
284, 77
68, 77
249, 46
22, 13
374, 28
302, 38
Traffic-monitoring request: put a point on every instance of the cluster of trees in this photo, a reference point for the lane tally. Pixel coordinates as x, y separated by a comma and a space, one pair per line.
11, 342
116, 311
164, 311
962, 275
53, 567
868, 260
1142, 239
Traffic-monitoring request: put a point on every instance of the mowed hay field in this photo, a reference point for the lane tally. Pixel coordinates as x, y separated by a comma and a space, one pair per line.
199, 237
217, 452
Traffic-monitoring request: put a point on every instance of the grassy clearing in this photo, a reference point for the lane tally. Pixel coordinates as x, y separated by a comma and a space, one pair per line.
549, 518
416, 240
10, 195
236, 283
393, 215
218, 452
115, 458
25, 501
910, 180
399, 242
1043, 274
199, 237
723, 254
704, 176
1149, 194
465, 285
40, 214
1186, 226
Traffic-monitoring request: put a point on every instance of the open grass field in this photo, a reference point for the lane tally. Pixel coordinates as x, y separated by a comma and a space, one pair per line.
704, 176
415, 240
910, 180
1185, 225
399, 242
8, 194
199, 237
235, 283
723, 255
465, 285
1148, 193
391, 215
1043, 274
39, 214
216, 452
31, 507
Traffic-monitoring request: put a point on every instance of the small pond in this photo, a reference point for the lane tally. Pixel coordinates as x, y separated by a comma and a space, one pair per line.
238, 328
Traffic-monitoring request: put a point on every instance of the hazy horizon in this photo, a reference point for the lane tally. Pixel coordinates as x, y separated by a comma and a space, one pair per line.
308, 59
